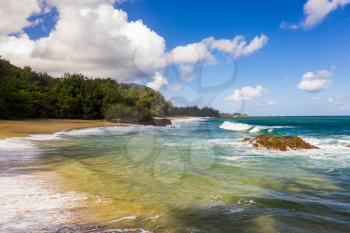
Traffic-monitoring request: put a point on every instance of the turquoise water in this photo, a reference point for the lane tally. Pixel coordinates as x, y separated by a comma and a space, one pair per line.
200, 177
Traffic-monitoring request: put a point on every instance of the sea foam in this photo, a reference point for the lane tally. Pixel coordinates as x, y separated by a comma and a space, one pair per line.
227, 125
242, 127
188, 120
30, 203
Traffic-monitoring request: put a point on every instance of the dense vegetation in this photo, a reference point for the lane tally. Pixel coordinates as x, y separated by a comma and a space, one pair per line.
27, 94
194, 111
233, 115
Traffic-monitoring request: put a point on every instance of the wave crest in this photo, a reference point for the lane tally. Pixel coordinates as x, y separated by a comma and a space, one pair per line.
247, 128
227, 125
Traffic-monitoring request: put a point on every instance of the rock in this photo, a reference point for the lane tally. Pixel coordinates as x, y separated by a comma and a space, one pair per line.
282, 143
162, 122
126, 120
348, 146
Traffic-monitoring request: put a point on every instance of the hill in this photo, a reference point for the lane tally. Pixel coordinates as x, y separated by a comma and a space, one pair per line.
28, 94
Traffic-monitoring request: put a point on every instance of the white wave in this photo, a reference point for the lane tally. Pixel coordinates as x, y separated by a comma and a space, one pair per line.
333, 152
123, 230
44, 137
96, 131
235, 126
220, 141
242, 127
17, 149
330, 144
235, 210
15, 144
234, 158
124, 218
188, 120
86, 132
30, 203
255, 129
279, 127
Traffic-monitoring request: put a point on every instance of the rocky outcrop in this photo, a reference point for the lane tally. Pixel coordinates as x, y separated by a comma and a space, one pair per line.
162, 122
282, 143
348, 146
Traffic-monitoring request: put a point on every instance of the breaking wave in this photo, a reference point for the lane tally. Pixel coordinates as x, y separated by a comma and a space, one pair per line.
247, 128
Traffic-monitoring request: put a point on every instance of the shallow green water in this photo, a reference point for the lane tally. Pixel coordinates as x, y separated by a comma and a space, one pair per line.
198, 177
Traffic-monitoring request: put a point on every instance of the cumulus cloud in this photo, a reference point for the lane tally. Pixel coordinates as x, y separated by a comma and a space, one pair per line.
188, 57
93, 38
246, 93
315, 81
190, 54
16, 13
201, 51
188, 72
157, 82
238, 46
315, 11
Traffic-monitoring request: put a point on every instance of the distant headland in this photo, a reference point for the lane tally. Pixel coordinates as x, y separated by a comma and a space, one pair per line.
233, 115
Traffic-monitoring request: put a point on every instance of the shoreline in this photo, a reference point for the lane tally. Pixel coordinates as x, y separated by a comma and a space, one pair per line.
39, 200
59, 202
24, 128
32, 190
74, 193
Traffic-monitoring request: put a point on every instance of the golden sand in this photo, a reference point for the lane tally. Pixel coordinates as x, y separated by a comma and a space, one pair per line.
22, 128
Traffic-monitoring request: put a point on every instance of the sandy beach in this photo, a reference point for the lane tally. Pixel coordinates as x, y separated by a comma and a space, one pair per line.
23, 128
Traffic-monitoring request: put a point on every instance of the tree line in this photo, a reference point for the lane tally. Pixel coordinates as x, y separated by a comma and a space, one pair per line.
28, 94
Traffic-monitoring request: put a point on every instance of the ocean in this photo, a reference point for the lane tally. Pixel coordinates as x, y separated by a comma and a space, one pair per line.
196, 176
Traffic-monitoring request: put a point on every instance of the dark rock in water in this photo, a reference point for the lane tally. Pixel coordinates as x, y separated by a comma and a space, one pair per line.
348, 146
126, 120
282, 143
162, 122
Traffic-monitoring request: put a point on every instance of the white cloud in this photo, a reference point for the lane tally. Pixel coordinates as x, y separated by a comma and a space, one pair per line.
315, 81
14, 14
157, 82
93, 38
201, 51
315, 12
246, 93
187, 72
190, 56
238, 46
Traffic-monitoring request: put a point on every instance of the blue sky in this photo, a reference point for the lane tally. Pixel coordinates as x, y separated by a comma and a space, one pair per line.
301, 69
278, 66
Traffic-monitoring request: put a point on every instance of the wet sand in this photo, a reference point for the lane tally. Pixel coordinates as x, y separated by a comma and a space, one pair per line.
22, 128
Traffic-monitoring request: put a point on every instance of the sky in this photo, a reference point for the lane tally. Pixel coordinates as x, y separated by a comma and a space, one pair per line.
257, 57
